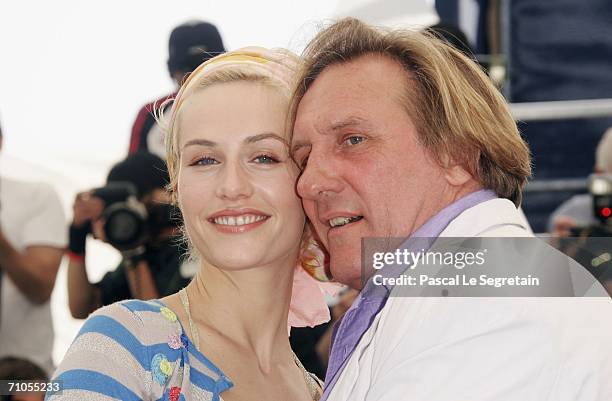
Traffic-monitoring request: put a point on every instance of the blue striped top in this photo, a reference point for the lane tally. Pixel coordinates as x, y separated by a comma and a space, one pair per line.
136, 350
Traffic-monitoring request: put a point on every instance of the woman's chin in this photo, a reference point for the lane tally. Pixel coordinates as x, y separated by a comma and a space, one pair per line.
236, 258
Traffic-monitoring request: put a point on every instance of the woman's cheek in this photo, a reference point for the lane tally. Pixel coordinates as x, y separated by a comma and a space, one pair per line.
291, 202
192, 194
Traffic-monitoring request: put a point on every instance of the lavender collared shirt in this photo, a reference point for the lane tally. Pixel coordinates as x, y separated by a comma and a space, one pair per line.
358, 318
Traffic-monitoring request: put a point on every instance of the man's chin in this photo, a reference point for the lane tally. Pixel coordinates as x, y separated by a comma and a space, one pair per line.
347, 271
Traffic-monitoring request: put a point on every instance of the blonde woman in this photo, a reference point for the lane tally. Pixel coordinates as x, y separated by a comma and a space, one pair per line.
225, 335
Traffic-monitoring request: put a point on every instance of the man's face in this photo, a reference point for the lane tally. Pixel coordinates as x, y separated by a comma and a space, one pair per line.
364, 172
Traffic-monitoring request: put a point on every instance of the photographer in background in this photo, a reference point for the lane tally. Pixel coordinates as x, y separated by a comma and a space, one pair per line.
583, 223
32, 239
190, 44
578, 211
133, 214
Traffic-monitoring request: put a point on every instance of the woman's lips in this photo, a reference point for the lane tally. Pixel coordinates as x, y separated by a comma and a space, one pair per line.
237, 222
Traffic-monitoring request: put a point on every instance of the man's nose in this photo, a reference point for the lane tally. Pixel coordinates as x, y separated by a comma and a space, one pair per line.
319, 178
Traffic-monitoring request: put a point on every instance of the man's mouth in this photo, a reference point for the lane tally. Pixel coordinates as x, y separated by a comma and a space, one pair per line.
343, 220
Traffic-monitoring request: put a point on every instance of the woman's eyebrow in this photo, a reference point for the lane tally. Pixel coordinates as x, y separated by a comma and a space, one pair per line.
266, 135
250, 139
200, 142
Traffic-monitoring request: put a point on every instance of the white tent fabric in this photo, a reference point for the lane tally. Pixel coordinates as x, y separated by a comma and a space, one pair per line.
391, 13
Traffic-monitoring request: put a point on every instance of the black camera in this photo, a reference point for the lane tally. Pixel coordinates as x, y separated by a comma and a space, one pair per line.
591, 245
128, 223
600, 187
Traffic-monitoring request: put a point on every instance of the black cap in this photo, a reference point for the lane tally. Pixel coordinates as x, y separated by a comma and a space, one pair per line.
191, 44
144, 170
453, 36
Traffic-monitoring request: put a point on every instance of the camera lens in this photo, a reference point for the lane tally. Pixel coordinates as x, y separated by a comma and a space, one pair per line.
124, 227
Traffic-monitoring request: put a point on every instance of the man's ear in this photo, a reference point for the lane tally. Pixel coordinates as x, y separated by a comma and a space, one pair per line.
456, 175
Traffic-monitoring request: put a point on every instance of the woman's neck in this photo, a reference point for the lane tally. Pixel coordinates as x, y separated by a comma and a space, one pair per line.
249, 307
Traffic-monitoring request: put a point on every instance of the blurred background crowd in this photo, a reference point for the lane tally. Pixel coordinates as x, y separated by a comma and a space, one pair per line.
84, 217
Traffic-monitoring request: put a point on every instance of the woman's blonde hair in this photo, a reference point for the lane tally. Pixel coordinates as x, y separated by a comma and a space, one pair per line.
459, 115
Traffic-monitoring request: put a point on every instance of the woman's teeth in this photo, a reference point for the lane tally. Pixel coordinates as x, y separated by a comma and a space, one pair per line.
238, 220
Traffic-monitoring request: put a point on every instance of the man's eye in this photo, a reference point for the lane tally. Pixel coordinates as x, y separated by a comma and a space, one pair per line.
265, 159
354, 140
205, 161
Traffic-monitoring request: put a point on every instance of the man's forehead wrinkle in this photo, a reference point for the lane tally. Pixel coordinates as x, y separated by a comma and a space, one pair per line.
349, 121
315, 121
327, 109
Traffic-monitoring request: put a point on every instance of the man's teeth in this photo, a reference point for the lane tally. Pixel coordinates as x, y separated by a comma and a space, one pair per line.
238, 220
340, 221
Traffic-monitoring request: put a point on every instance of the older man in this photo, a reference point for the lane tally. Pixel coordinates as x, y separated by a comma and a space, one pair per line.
399, 135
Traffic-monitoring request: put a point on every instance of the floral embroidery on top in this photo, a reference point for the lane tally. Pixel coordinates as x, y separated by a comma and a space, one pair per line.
165, 367
174, 341
168, 314
161, 369
184, 341
174, 393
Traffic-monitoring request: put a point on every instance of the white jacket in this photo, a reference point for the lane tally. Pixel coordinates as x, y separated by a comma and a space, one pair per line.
477, 349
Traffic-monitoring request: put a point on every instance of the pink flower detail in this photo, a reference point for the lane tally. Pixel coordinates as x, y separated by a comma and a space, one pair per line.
174, 341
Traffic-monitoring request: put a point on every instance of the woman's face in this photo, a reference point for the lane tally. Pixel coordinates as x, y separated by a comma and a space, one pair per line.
236, 181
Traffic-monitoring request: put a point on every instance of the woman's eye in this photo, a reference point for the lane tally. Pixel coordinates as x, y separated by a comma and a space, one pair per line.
354, 140
205, 161
265, 159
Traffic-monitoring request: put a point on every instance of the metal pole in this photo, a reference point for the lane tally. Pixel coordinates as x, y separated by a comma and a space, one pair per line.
561, 110
559, 185
505, 19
